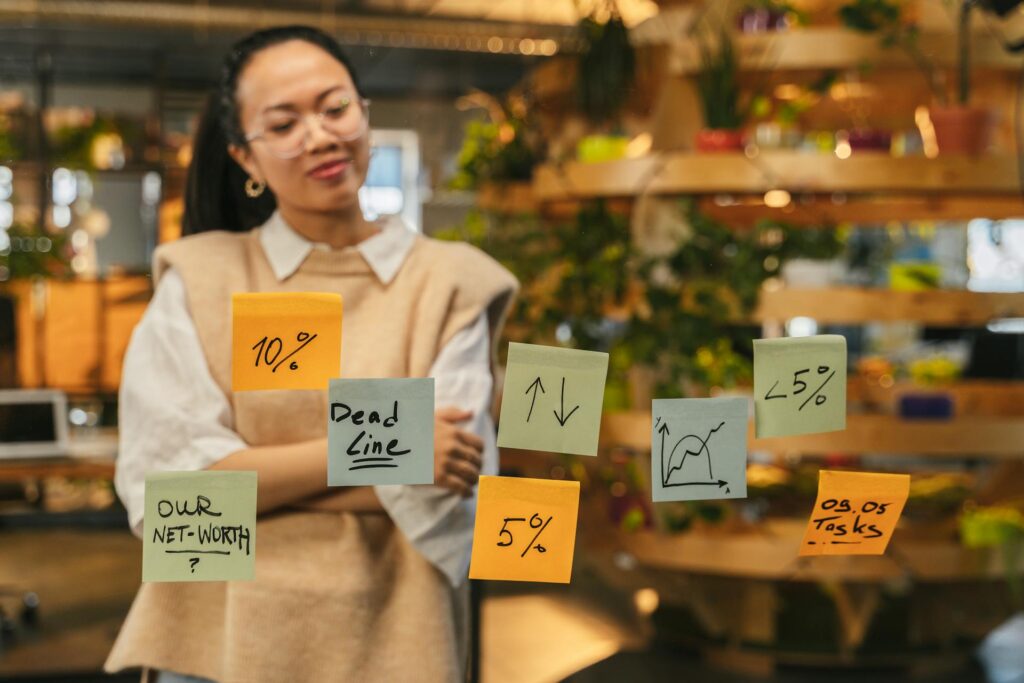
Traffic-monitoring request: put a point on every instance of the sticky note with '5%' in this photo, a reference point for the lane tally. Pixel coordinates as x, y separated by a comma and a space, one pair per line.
285, 340
525, 529
855, 513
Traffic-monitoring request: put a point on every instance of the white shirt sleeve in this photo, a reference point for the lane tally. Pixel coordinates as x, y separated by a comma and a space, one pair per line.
439, 522
173, 415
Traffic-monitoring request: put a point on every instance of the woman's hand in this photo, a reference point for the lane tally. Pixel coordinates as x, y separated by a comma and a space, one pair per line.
458, 454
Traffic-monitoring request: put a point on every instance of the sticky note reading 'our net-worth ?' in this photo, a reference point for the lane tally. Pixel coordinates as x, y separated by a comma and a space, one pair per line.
285, 340
525, 529
699, 448
199, 526
380, 431
855, 513
552, 399
800, 385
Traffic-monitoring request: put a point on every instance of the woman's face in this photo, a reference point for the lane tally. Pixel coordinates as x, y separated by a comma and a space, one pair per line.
282, 89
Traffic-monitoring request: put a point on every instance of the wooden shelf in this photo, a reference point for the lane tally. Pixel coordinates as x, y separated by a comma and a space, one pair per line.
970, 397
770, 553
802, 49
862, 172
998, 437
851, 305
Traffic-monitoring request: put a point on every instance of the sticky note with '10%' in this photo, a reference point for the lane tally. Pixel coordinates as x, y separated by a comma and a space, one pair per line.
285, 340
525, 529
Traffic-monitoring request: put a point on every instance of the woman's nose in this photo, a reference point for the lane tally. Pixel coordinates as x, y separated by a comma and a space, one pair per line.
317, 137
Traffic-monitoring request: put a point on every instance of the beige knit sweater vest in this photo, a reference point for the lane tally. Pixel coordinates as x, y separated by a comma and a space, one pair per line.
337, 596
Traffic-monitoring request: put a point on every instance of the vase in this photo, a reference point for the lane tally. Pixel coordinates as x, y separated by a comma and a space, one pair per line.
961, 129
719, 140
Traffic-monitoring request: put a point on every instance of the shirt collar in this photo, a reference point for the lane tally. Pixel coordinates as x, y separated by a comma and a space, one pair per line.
385, 252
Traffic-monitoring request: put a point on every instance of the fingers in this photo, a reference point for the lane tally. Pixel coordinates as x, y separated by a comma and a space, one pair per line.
470, 439
456, 484
469, 455
451, 414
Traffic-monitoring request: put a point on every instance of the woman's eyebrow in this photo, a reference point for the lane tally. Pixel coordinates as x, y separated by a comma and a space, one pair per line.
288, 106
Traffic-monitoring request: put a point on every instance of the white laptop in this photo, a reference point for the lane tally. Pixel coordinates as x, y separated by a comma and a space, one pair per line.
33, 423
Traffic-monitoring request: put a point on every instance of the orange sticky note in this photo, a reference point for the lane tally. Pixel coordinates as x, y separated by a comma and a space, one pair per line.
525, 529
285, 340
855, 513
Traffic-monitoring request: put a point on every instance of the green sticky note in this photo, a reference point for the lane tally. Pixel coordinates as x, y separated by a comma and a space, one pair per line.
699, 448
800, 385
380, 431
199, 526
552, 399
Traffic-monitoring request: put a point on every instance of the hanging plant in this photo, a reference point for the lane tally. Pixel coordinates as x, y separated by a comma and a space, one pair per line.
606, 67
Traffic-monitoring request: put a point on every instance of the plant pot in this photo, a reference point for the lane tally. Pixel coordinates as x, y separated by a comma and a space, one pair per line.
719, 140
961, 130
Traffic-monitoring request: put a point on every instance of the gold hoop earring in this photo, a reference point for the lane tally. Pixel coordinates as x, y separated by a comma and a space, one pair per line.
254, 188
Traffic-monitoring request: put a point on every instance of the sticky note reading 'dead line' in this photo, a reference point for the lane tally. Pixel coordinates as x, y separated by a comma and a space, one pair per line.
285, 340
525, 529
799, 385
199, 526
855, 513
552, 399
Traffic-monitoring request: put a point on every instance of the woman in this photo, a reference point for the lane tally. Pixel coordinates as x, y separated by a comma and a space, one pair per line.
361, 584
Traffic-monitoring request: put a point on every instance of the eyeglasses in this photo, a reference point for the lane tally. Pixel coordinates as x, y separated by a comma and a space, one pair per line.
286, 133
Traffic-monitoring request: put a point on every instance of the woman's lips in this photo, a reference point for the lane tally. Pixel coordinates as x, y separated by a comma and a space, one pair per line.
330, 170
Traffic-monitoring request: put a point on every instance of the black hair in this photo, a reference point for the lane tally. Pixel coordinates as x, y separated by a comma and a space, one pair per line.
214, 191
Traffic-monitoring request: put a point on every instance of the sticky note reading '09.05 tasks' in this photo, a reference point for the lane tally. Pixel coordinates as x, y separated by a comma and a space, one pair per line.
699, 448
855, 513
552, 399
380, 431
285, 340
800, 385
525, 529
199, 526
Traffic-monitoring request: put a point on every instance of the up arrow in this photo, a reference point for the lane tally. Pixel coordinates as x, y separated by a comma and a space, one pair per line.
537, 384
563, 418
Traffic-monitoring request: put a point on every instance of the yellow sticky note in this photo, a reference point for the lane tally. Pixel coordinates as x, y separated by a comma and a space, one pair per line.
525, 529
285, 340
855, 513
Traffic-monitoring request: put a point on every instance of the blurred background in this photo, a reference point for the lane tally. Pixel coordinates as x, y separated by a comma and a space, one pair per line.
669, 180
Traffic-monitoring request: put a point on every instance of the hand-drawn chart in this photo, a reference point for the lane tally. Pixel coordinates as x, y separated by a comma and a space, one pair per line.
699, 449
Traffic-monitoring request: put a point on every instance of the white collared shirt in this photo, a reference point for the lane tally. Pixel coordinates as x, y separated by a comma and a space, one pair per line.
186, 424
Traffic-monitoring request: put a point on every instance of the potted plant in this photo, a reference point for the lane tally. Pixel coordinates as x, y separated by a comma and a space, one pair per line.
960, 128
719, 88
606, 72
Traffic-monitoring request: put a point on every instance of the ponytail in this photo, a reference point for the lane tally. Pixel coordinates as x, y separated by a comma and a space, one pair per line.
215, 196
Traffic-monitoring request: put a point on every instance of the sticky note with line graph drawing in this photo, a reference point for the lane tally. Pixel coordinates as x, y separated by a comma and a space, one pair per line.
285, 340
699, 448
